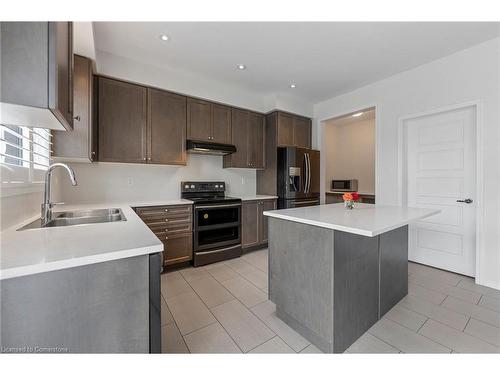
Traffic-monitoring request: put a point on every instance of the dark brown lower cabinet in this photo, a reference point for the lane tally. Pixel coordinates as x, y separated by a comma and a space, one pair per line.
250, 224
267, 205
254, 231
173, 226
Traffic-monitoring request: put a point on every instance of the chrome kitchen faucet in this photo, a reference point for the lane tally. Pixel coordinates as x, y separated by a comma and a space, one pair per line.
47, 205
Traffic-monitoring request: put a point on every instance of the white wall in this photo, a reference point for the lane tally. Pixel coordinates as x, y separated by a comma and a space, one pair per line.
118, 182
17, 208
469, 75
350, 153
20, 204
192, 84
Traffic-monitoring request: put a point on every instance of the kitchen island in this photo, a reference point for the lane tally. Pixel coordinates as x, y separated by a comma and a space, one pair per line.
334, 272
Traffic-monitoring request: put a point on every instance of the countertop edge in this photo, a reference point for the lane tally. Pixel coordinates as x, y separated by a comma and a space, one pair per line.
321, 224
34, 269
362, 232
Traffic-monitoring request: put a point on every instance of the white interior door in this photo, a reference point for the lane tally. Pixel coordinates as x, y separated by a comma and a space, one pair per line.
441, 174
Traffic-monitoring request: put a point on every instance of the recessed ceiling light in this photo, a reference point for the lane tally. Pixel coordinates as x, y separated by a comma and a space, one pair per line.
357, 114
293, 85
241, 67
164, 37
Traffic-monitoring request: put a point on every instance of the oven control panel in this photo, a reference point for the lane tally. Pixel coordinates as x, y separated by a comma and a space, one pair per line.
202, 187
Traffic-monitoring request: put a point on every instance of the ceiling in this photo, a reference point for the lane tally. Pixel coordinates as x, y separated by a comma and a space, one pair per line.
323, 59
367, 114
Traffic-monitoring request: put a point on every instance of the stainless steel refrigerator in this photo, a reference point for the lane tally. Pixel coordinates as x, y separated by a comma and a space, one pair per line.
298, 177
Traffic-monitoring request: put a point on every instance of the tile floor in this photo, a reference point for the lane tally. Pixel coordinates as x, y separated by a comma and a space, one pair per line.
223, 308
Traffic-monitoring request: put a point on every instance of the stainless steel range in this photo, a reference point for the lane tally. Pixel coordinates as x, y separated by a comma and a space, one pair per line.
216, 220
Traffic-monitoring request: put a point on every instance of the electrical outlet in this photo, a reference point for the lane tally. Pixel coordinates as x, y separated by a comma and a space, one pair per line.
130, 181
243, 180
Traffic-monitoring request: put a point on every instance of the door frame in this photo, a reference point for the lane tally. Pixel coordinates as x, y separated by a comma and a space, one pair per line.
321, 145
402, 165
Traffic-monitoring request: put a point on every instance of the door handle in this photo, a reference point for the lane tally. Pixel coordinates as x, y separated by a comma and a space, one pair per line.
467, 200
308, 173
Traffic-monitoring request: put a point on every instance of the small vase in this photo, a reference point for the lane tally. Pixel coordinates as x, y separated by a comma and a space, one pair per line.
349, 205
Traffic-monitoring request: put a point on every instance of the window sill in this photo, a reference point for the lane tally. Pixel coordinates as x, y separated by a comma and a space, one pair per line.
12, 189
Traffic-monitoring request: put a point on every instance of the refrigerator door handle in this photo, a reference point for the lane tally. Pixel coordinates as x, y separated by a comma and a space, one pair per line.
308, 173
309, 169
304, 186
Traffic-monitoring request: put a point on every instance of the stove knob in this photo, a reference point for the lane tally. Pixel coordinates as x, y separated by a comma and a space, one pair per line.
186, 186
192, 186
216, 186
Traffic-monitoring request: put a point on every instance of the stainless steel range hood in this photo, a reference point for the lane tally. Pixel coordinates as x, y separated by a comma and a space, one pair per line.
195, 147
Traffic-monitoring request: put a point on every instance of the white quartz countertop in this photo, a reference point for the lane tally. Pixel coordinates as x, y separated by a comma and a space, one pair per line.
365, 219
48, 249
258, 197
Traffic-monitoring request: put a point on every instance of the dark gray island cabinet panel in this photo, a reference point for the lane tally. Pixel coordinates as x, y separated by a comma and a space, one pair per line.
37, 74
332, 286
109, 307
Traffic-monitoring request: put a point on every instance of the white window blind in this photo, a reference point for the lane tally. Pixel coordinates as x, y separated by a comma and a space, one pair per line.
25, 154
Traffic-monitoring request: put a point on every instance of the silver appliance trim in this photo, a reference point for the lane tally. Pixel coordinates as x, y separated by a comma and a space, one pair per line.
219, 250
217, 206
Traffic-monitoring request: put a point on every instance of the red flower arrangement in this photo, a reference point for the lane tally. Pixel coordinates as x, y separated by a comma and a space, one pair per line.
349, 199
350, 196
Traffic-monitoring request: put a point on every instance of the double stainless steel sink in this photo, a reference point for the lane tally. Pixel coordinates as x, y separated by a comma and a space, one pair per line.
67, 218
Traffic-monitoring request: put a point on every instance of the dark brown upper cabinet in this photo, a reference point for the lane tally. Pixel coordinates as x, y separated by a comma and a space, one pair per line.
293, 130
221, 123
37, 74
255, 131
79, 144
122, 114
302, 132
248, 137
208, 122
282, 129
166, 128
285, 129
240, 140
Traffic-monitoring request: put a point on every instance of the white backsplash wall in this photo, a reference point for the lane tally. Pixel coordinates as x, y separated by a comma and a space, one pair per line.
19, 207
118, 182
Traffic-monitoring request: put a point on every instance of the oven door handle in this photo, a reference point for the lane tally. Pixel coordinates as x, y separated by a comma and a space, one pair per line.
219, 250
218, 206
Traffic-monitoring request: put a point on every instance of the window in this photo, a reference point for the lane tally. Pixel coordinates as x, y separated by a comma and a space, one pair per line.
24, 155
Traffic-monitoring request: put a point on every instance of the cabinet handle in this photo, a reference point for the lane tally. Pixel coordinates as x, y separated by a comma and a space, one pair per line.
149, 158
77, 118
166, 237
144, 159
166, 209
166, 230
166, 220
